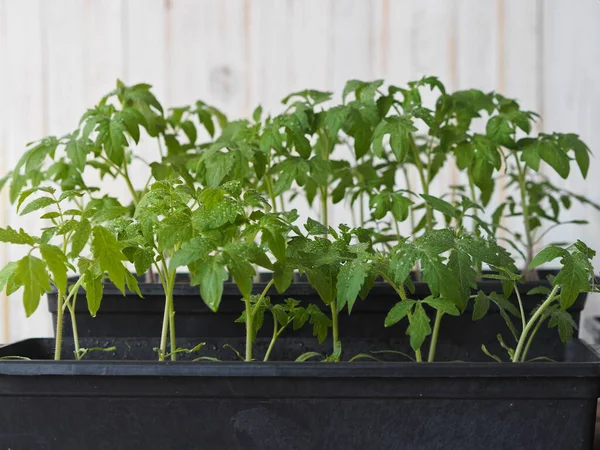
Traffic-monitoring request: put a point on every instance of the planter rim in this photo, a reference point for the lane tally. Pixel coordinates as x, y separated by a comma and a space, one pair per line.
457, 370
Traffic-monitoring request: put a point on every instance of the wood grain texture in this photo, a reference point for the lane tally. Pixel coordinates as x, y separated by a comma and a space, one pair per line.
59, 56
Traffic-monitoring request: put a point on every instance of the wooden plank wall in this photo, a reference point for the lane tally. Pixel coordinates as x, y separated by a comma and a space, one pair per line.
59, 56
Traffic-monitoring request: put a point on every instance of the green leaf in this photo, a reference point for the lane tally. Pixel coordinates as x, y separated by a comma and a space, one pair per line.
315, 228
398, 312
555, 157
461, 265
488, 353
481, 307
77, 151
174, 229
108, 253
80, 237
573, 278
13, 236
36, 204
92, 283
7, 271
191, 251
57, 264
548, 254
442, 305
401, 263
440, 205
565, 323
111, 134
351, 277
499, 130
419, 327
31, 273
320, 323
210, 276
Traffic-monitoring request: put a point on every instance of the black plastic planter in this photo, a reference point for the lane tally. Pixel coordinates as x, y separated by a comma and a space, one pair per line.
147, 405
460, 337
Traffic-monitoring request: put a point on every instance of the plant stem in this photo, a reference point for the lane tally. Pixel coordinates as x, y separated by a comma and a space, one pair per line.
165, 329
273, 339
521, 309
538, 313
530, 339
172, 329
324, 212
134, 195
61, 301
334, 323
249, 325
526, 218
250, 311
434, 336
59, 327
269, 185
71, 307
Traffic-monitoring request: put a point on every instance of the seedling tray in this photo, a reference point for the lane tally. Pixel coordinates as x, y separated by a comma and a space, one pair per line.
283, 405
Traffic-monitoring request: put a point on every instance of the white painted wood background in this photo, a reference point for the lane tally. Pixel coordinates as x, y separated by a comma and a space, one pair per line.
59, 56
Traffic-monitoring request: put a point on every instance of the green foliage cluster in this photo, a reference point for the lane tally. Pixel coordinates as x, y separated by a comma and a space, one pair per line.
215, 203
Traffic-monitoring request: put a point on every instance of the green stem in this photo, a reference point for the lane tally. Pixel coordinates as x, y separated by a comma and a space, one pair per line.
249, 325
521, 309
172, 334
60, 311
324, 212
530, 323
530, 339
269, 184
434, 336
71, 307
273, 339
134, 195
526, 218
250, 312
335, 324
59, 327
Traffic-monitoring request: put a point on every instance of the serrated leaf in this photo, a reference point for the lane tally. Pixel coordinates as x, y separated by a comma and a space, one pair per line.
210, 275
481, 307
440, 205
36, 204
398, 312
80, 237
13, 236
31, 273
315, 228
565, 323
7, 271
92, 284
419, 327
546, 255
57, 264
108, 253
320, 323
350, 279
442, 305
573, 278
174, 229
191, 251
77, 151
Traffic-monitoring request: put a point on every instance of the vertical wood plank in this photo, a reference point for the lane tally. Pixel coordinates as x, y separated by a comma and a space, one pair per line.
271, 61
25, 102
206, 48
571, 62
4, 167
